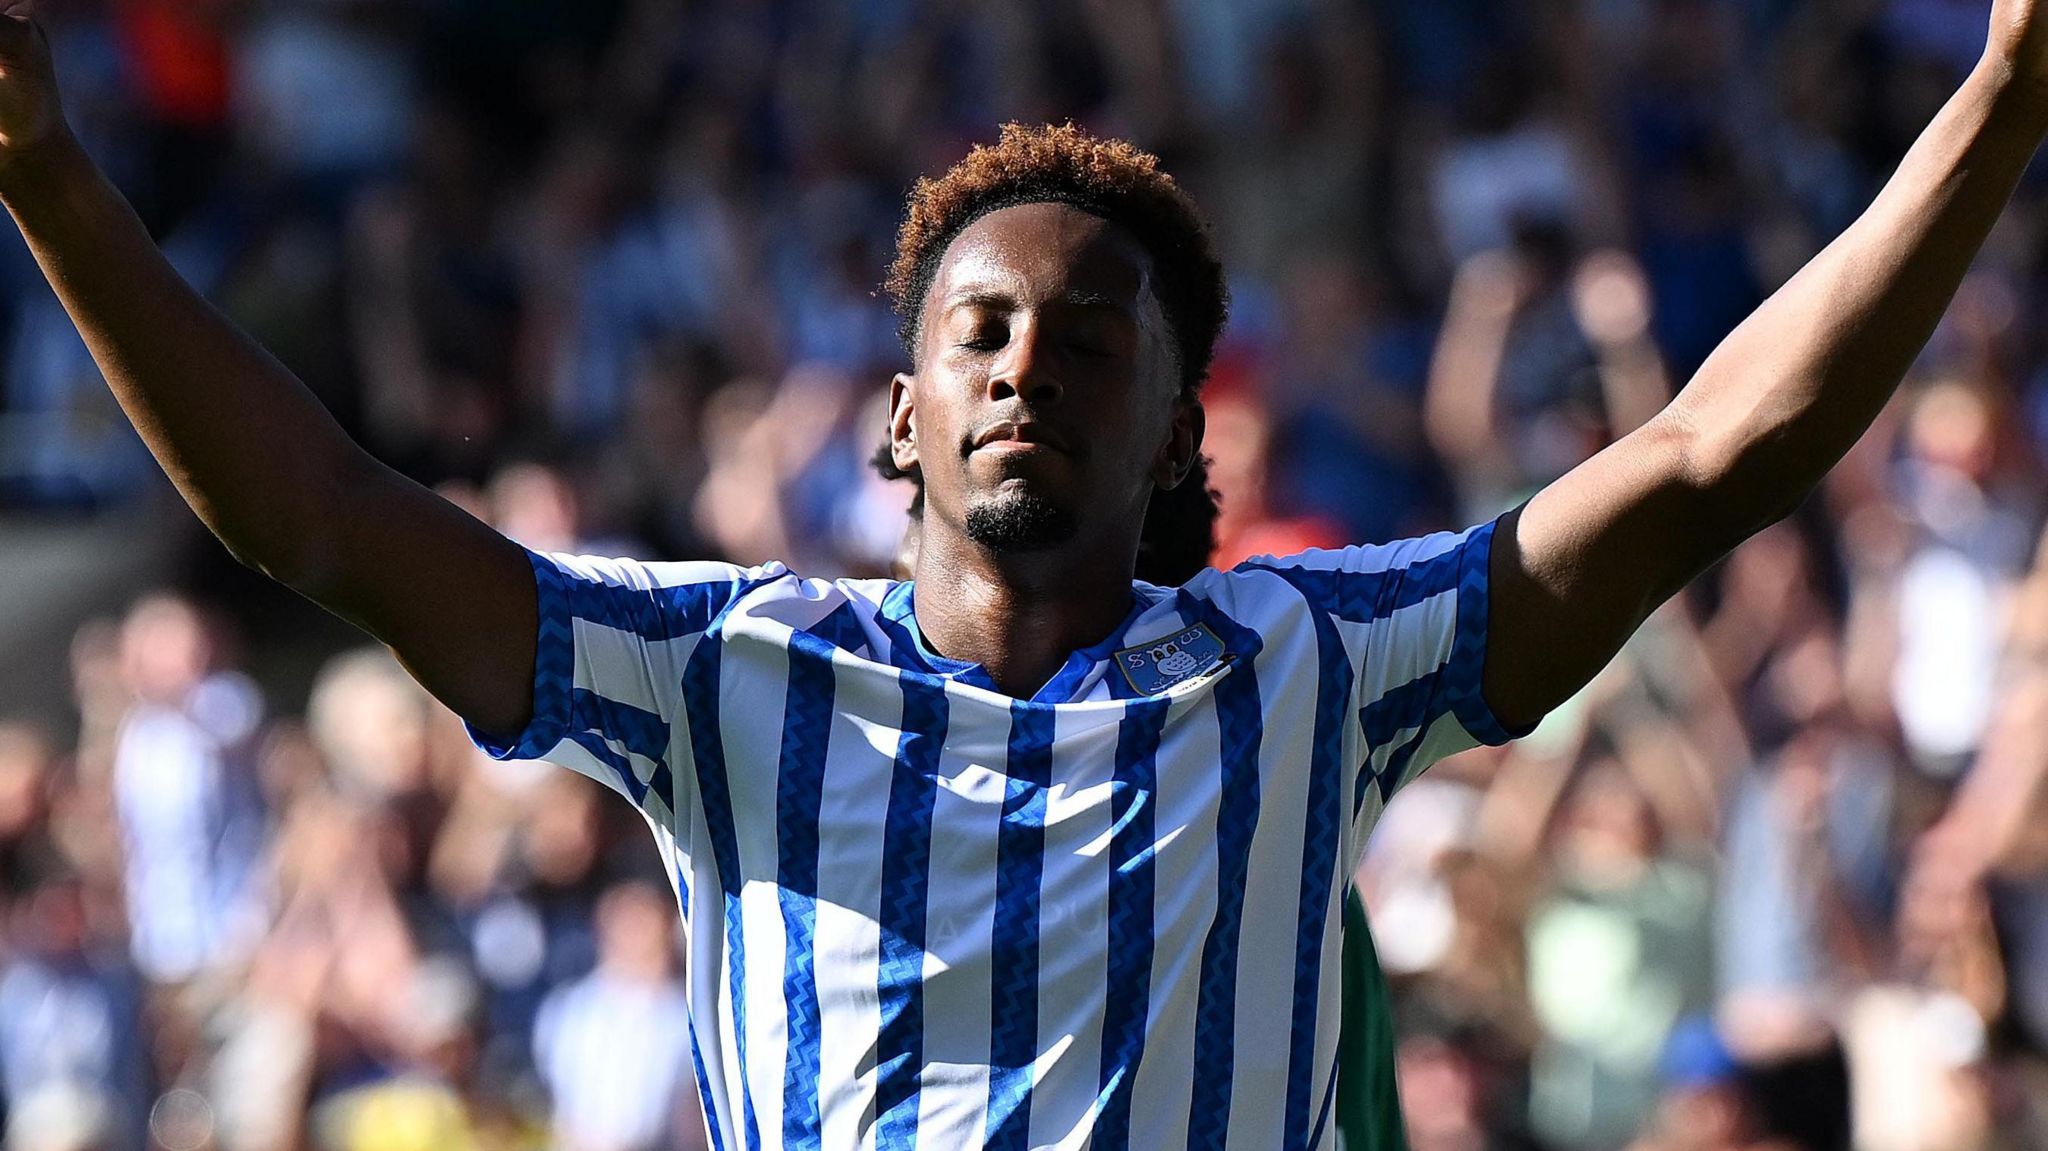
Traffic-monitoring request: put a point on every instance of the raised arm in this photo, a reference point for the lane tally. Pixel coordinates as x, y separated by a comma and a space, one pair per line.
264, 465
1577, 568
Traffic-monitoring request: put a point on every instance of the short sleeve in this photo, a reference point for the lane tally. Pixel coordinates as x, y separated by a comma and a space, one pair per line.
1413, 618
614, 637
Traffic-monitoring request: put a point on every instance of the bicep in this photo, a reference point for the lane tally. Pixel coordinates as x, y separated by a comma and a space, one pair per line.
1581, 565
454, 599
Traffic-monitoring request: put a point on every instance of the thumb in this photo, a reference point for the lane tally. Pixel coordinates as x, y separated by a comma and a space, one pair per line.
20, 11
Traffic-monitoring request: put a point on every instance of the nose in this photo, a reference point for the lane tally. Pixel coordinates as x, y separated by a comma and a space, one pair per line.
1026, 368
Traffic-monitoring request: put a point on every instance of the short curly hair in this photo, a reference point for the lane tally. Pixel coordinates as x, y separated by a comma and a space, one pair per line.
1108, 178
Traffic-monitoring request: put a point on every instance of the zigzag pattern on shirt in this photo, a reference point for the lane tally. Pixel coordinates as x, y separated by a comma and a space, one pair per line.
906, 879
1013, 943
1242, 729
1130, 918
1322, 831
799, 795
1366, 596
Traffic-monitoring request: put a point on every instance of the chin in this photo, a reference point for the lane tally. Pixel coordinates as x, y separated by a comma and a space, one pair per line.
1020, 518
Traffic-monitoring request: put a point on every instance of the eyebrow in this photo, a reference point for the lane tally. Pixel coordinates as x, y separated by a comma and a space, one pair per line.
998, 299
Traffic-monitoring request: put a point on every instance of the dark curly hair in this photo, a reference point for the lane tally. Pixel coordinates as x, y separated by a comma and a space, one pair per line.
1118, 182
1106, 178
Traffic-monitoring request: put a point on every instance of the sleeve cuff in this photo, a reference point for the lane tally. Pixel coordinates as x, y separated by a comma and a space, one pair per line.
1467, 670
554, 672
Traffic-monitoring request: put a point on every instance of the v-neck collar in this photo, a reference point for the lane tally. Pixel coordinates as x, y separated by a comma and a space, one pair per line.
909, 650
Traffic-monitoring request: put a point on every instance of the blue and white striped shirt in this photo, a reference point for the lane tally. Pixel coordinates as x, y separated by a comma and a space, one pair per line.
921, 913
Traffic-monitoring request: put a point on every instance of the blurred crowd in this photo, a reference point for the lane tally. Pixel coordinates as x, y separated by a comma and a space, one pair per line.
605, 272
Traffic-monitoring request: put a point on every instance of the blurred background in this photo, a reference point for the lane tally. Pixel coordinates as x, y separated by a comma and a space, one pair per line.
606, 271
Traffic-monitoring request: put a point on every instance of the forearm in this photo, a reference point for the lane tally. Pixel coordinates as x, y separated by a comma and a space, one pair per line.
1791, 390
1633, 384
1464, 372
253, 452
1458, 414
1575, 570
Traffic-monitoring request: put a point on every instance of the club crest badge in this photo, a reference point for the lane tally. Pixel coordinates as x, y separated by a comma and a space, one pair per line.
1164, 663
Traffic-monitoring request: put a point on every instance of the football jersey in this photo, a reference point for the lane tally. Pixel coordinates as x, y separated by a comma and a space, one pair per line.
922, 913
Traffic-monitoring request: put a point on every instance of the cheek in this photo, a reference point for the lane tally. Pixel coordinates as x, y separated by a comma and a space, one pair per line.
930, 415
1147, 423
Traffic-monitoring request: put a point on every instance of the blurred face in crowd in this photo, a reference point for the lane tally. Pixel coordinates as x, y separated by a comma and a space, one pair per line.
536, 506
1440, 1091
24, 773
1046, 405
561, 832
370, 720
1952, 427
53, 919
636, 933
1607, 832
164, 649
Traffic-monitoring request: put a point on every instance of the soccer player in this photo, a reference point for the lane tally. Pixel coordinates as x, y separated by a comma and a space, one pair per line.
1025, 852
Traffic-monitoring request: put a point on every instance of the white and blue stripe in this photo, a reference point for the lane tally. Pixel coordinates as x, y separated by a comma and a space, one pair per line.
924, 914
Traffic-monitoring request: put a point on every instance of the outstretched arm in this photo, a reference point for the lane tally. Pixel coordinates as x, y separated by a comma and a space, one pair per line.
1581, 565
264, 465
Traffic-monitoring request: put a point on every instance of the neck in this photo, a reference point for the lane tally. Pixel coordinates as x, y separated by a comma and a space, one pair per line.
1019, 616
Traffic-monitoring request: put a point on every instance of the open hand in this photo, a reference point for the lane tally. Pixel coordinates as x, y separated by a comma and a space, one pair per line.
29, 111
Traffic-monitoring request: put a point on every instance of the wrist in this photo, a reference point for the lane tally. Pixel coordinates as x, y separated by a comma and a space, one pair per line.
2018, 95
27, 169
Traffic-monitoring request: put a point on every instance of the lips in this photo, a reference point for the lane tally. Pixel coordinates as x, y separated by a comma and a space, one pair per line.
1020, 434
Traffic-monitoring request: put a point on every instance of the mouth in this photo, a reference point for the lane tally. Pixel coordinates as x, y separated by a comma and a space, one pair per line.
1010, 436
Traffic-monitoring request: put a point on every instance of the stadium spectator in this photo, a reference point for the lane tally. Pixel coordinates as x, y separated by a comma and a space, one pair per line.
615, 1046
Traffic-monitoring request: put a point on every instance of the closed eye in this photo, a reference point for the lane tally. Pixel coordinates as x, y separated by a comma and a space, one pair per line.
986, 336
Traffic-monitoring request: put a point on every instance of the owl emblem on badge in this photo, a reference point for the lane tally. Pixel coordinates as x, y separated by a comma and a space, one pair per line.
1152, 668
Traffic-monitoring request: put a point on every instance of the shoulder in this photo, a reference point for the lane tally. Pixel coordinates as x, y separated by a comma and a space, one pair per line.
777, 592
1367, 559
655, 600
1368, 580
811, 614
653, 575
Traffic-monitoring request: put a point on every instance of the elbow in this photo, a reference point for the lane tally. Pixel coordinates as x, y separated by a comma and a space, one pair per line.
1739, 477
254, 536
291, 567
252, 554
297, 542
284, 555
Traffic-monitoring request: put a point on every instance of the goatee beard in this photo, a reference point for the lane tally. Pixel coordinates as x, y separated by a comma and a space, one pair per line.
1019, 522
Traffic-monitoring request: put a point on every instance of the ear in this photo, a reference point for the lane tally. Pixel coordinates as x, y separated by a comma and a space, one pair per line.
1183, 443
903, 422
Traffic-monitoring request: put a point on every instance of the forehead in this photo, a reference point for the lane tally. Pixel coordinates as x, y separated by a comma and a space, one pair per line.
1037, 252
